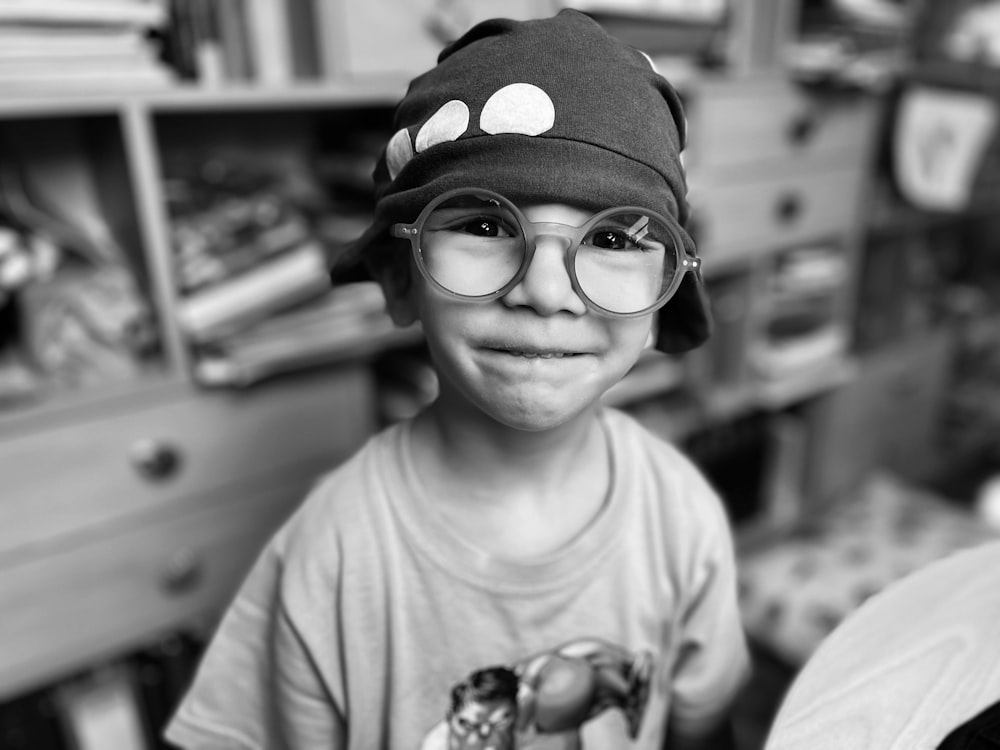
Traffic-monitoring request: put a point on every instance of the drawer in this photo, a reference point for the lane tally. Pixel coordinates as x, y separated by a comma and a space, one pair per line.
66, 609
82, 476
741, 124
735, 220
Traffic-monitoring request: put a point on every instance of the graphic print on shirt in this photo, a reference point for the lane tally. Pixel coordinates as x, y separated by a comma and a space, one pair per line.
551, 694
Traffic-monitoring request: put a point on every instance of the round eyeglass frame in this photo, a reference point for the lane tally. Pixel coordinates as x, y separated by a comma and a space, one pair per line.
532, 230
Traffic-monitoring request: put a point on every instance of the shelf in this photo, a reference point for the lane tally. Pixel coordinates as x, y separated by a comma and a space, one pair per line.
726, 402
59, 407
234, 374
374, 91
805, 383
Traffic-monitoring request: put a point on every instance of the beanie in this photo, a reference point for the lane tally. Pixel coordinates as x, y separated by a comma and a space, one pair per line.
552, 110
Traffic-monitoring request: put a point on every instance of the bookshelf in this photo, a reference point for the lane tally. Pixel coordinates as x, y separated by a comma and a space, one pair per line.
107, 483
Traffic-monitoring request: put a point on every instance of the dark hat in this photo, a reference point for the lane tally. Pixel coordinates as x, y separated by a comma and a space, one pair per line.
549, 110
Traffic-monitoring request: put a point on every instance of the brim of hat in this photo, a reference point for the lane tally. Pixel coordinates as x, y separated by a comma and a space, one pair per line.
533, 169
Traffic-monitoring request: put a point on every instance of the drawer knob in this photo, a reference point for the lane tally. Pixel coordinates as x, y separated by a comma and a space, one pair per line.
155, 459
789, 208
801, 129
182, 572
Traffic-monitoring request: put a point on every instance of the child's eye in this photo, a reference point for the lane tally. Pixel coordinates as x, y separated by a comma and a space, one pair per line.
610, 239
483, 226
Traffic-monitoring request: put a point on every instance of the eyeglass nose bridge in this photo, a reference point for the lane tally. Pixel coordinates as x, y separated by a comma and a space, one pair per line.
534, 231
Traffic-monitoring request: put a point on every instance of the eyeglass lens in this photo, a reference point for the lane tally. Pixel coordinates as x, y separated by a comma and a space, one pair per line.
474, 246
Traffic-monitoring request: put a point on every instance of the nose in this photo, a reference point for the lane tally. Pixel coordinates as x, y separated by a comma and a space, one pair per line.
546, 286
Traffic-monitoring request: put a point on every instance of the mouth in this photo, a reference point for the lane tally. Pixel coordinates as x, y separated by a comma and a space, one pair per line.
533, 353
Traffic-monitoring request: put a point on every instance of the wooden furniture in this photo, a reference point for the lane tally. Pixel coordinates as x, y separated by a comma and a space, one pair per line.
910, 665
774, 169
134, 508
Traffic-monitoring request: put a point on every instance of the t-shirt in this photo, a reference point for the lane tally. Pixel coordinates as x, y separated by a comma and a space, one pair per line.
365, 610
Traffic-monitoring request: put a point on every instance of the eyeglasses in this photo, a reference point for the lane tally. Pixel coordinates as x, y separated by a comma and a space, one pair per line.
475, 244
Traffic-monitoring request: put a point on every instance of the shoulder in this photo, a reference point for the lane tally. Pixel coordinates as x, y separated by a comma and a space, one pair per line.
652, 456
671, 493
340, 503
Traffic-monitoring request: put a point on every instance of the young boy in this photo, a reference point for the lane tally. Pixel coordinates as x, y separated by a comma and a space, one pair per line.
530, 216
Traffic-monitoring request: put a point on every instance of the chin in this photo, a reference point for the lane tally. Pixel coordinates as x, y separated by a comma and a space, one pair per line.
537, 417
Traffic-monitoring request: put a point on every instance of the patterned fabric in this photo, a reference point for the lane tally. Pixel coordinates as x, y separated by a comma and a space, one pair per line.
795, 592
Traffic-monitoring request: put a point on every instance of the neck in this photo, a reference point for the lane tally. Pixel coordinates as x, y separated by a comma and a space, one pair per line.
474, 449
512, 492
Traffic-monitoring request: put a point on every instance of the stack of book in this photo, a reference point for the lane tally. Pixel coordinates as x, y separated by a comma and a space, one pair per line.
804, 341
274, 43
242, 41
256, 297
349, 320
50, 45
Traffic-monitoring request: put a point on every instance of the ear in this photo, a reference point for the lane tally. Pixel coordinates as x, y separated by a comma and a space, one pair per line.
395, 275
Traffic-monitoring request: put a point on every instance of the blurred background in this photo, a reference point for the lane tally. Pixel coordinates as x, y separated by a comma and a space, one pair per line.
176, 369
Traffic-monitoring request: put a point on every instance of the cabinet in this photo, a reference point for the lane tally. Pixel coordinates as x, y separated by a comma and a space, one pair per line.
778, 178
133, 505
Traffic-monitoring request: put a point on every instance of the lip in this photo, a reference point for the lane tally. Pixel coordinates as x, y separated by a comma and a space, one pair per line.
532, 352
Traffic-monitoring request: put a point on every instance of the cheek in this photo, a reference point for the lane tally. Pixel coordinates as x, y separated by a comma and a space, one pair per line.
434, 310
631, 336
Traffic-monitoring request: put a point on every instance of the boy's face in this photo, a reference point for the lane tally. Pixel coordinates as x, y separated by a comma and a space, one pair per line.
536, 357
485, 725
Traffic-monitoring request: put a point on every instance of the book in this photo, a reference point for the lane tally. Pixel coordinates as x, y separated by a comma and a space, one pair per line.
210, 250
239, 367
178, 40
304, 40
220, 310
142, 13
102, 710
340, 305
349, 320
208, 44
269, 40
237, 61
